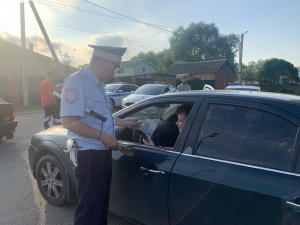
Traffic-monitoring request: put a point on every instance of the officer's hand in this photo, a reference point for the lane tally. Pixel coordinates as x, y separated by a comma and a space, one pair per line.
133, 125
110, 141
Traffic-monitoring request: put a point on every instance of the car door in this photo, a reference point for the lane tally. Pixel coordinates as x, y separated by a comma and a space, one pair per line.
141, 173
240, 167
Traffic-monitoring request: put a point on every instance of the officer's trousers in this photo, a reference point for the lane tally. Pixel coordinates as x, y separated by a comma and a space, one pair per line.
93, 175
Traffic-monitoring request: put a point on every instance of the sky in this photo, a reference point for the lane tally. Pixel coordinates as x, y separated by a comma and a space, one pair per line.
146, 25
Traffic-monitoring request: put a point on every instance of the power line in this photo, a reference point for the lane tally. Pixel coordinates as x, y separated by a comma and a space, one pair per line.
128, 17
128, 38
64, 6
268, 48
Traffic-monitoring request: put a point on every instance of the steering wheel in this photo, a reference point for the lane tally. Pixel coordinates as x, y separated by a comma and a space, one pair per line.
138, 136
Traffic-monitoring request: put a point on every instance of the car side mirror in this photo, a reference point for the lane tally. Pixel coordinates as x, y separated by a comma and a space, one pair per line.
132, 92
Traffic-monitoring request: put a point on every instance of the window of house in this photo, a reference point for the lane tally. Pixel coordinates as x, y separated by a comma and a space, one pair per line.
144, 69
246, 135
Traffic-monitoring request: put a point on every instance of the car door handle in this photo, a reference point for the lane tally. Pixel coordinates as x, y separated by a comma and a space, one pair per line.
293, 206
152, 172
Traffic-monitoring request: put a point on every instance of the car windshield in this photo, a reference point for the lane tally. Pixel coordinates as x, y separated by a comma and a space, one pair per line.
112, 87
149, 90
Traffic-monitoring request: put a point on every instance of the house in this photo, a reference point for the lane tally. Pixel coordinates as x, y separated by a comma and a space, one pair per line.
140, 71
11, 79
217, 73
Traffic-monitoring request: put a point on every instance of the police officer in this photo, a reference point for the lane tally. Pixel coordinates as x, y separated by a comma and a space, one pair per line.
85, 89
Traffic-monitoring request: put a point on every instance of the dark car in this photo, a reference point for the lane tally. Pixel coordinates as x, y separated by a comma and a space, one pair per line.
236, 161
8, 122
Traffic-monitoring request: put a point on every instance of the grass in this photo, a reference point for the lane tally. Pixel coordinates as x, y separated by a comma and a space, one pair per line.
22, 108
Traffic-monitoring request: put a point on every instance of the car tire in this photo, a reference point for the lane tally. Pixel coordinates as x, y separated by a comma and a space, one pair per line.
113, 104
52, 180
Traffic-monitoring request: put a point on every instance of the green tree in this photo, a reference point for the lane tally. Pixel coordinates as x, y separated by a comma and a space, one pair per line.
278, 75
250, 72
202, 42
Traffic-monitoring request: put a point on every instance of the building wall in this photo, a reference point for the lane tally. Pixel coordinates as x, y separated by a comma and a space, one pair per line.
144, 68
128, 71
141, 68
221, 79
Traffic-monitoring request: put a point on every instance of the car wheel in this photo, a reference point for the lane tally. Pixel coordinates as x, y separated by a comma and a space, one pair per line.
113, 104
51, 180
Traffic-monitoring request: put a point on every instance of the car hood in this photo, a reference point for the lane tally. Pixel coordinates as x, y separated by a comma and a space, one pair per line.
56, 134
137, 97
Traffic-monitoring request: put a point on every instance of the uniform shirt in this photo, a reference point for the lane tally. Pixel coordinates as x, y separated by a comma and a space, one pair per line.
84, 90
183, 87
46, 87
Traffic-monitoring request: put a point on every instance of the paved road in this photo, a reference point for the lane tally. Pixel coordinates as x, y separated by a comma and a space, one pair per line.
20, 199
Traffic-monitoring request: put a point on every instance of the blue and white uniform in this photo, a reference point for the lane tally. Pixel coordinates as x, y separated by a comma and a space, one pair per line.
84, 90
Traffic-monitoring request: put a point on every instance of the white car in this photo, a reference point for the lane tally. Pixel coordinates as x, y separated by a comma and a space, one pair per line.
147, 91
117, 91
242, 87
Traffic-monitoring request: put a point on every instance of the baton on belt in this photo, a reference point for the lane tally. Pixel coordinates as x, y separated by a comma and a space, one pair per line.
88, 111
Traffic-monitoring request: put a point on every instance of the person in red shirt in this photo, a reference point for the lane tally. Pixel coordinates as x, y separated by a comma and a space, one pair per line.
48, 100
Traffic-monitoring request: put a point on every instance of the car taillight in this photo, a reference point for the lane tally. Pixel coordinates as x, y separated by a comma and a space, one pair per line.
7, 117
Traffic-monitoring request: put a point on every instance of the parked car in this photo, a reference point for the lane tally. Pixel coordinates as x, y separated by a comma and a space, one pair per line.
117, 91
236, 161
208, 87
8, 122
243, 87
147, 91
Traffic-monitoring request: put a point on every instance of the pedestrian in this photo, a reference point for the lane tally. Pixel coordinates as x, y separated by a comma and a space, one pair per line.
58, 84
85, 89
183, 86
48, 101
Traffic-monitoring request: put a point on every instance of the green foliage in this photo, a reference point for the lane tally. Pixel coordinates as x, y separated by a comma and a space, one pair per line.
251, 71
199, 42
278, 75
202, 42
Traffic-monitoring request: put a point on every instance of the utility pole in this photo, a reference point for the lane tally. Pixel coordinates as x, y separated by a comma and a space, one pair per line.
46, 36
23, 50
240, 56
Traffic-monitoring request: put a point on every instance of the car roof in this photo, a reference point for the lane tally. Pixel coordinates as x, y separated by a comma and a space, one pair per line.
245, 86
274, 99
117, 84
156, 85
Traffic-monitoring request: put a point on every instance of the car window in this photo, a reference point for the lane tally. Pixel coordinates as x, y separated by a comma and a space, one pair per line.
112, 87
246, 135
164, 115
172, 89
132, 88
149, 90
167, 90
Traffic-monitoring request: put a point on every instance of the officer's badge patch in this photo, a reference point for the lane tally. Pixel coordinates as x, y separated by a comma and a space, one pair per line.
70, 95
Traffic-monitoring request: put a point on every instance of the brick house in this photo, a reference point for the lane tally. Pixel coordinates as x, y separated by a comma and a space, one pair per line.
217, 73
140, 71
